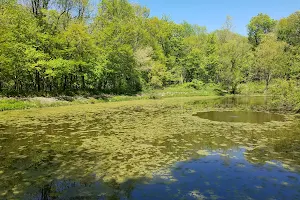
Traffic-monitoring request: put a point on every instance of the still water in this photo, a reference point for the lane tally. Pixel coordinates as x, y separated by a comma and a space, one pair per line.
181, 148
240, 116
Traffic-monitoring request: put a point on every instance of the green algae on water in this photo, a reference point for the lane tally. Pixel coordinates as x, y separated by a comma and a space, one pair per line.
124, 141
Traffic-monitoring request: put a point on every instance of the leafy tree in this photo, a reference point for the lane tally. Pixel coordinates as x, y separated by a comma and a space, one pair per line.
117, 33
288, 29
159, 75
18, 30
269, 58
212, 58
292, 66
78, 46
235, 59
145, 63
258, 26
194, 59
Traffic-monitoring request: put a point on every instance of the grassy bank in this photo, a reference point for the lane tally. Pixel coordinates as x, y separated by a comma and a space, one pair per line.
287, 101
40, 102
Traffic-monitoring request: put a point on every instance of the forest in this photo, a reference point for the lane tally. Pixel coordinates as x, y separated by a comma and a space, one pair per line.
68, 47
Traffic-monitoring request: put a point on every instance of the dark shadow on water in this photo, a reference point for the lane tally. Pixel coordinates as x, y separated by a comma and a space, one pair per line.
245, 100
240, 116
70, 189
234, 102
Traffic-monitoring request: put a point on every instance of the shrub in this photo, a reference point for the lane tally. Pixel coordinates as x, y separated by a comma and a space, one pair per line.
286, 95
251, 88
156, 82
195, 84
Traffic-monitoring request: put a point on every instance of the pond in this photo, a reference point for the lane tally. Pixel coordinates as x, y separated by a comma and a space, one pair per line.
174, 148
240, 116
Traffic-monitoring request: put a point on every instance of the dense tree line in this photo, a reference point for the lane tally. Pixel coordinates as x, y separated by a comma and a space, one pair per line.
65, 47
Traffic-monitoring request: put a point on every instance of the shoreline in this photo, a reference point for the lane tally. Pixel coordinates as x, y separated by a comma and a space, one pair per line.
12, 103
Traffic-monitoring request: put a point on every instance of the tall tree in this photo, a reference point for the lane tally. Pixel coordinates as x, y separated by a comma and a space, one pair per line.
235, 59
288, 29
226, 33
212, 58
38, 5
18, 30
117, 32
258, 26
270, 58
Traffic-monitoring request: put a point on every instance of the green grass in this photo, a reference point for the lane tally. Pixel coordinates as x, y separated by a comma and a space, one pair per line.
13, 104
183, 91
174, 91
21, 104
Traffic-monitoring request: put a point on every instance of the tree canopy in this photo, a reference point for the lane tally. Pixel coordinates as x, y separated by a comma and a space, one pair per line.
258, 26
54, 47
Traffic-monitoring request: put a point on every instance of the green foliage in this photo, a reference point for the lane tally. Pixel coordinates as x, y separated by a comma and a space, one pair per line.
55, 47
258, 26
252, 88
21, 104
194, 84
292, 57
212, 58
235, 59
270, 58
286, 95
288, 29
186, 90
7, 104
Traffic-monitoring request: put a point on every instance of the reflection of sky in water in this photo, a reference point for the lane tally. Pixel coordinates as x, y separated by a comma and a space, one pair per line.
223, 177
217, 176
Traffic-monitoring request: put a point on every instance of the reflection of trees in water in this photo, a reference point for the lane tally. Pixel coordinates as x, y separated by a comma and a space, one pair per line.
252, 103
46, 193
38, 166
51, 177
65, 189
285, 150
281, 148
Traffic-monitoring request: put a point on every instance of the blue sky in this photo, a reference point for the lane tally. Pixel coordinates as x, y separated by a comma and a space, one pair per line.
212, 13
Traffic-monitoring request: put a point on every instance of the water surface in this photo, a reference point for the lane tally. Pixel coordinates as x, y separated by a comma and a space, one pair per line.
148, 150
240, 116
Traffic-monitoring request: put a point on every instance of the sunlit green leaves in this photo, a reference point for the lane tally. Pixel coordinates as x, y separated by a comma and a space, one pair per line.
258, 26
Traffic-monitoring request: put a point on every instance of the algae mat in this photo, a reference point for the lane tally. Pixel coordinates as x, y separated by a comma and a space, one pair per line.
152, 149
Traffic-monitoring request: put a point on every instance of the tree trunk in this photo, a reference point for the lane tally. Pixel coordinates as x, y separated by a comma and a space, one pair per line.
83, 82
82, 78
16, 84
268, 79
38, 81
234, 89
65, 83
